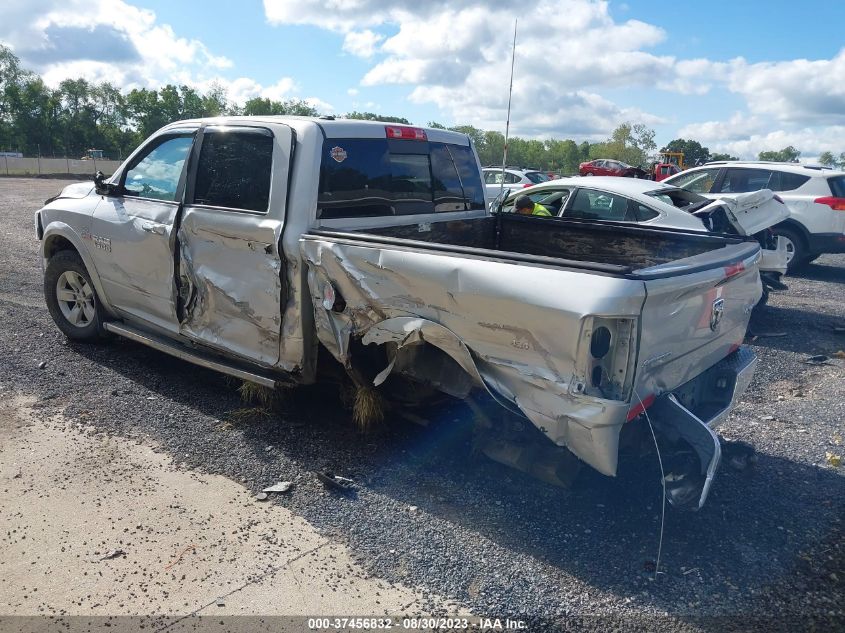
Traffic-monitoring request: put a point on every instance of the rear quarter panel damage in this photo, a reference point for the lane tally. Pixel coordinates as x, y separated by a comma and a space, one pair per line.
519, 344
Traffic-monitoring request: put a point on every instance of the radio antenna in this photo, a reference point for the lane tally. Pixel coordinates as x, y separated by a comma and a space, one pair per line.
508, 121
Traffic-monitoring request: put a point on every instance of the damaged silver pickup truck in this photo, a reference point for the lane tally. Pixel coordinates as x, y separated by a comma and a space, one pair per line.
257, 245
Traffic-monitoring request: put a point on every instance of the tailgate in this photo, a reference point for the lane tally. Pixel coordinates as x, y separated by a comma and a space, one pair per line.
692, 321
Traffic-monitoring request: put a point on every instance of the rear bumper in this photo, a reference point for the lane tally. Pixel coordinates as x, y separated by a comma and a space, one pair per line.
686, 417
819, 243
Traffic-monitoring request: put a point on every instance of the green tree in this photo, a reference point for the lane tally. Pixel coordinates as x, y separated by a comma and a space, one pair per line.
722, 157
264, 106
370, 116
694, 153
629, 143
787, 155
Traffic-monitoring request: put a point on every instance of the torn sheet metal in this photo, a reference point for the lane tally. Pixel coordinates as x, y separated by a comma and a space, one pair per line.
516, 345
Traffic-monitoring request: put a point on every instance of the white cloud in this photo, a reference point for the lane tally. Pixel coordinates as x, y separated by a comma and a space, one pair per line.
810, 141
800, 90
85, 38
319, 104
361, 43
456, 54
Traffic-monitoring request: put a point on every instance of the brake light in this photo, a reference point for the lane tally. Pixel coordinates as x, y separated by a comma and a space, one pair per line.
641, 406
405, 132
527, 185
734, 269
837, 204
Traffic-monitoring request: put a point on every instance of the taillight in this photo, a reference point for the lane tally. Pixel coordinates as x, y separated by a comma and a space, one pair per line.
606, 354
732, 270
530, 184
837, 204
405, 132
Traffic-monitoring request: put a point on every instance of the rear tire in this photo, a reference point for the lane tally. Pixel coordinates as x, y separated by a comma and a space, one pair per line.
71, 298
794, 247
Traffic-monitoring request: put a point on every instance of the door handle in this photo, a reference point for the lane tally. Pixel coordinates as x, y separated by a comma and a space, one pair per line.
152, 227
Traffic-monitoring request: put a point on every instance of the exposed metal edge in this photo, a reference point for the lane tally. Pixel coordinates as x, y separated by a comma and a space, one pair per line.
186, 354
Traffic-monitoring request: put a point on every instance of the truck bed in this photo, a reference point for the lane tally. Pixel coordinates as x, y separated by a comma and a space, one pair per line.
604, 247
509, 304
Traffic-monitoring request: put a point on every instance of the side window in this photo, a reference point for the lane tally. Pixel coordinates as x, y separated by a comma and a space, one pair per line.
156, 175
699, 181
790, 182
744, 180
234, 169
511, 179
467, 166
597, 205
491, 177
643, 213
448, 193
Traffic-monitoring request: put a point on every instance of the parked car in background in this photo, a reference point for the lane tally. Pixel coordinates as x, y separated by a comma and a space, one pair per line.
814, 195
511, 178
607, 167
647, 203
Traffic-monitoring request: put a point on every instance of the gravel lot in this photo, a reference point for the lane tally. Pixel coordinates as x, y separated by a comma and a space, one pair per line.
766, 553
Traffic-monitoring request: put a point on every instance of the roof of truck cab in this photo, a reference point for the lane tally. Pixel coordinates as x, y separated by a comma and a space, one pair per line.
332, 128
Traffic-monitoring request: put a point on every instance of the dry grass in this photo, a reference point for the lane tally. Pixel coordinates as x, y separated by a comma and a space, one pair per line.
368, 408
258, 394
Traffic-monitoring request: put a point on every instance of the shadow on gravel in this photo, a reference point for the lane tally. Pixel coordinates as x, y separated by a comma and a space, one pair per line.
820, 272
807, 332
604, 531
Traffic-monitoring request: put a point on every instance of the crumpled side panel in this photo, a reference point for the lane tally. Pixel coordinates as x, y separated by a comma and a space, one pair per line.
230, 285
513, 328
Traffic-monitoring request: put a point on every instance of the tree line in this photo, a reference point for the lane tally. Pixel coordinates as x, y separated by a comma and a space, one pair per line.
78, 115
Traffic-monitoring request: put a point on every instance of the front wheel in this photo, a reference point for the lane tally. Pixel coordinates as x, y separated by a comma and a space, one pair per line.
71, 298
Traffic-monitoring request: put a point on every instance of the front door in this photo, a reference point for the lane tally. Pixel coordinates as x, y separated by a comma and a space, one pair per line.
230, 271
133, 231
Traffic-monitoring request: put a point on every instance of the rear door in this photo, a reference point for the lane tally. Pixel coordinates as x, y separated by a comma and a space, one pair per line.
230, 272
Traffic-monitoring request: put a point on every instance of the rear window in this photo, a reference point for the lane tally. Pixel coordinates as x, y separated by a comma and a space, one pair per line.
536, 176
788, 182
372, 177
837, 186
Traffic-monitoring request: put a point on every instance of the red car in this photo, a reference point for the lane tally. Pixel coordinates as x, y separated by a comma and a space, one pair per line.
608, 167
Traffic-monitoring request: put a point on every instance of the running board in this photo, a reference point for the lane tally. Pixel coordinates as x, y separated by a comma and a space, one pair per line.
197, 357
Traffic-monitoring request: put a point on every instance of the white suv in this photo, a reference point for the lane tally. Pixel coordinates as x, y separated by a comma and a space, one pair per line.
512, 179
814, 195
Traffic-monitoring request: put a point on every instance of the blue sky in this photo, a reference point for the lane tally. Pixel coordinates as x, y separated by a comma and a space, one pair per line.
729, 74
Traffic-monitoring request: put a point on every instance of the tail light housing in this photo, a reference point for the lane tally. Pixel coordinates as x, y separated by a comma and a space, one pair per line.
606, 356
405, 132
837, 204
525, 186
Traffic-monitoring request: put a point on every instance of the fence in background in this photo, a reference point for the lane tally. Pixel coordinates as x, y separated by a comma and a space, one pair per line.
11, 166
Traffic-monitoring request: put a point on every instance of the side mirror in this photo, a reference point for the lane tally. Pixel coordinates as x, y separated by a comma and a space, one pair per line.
101, 186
